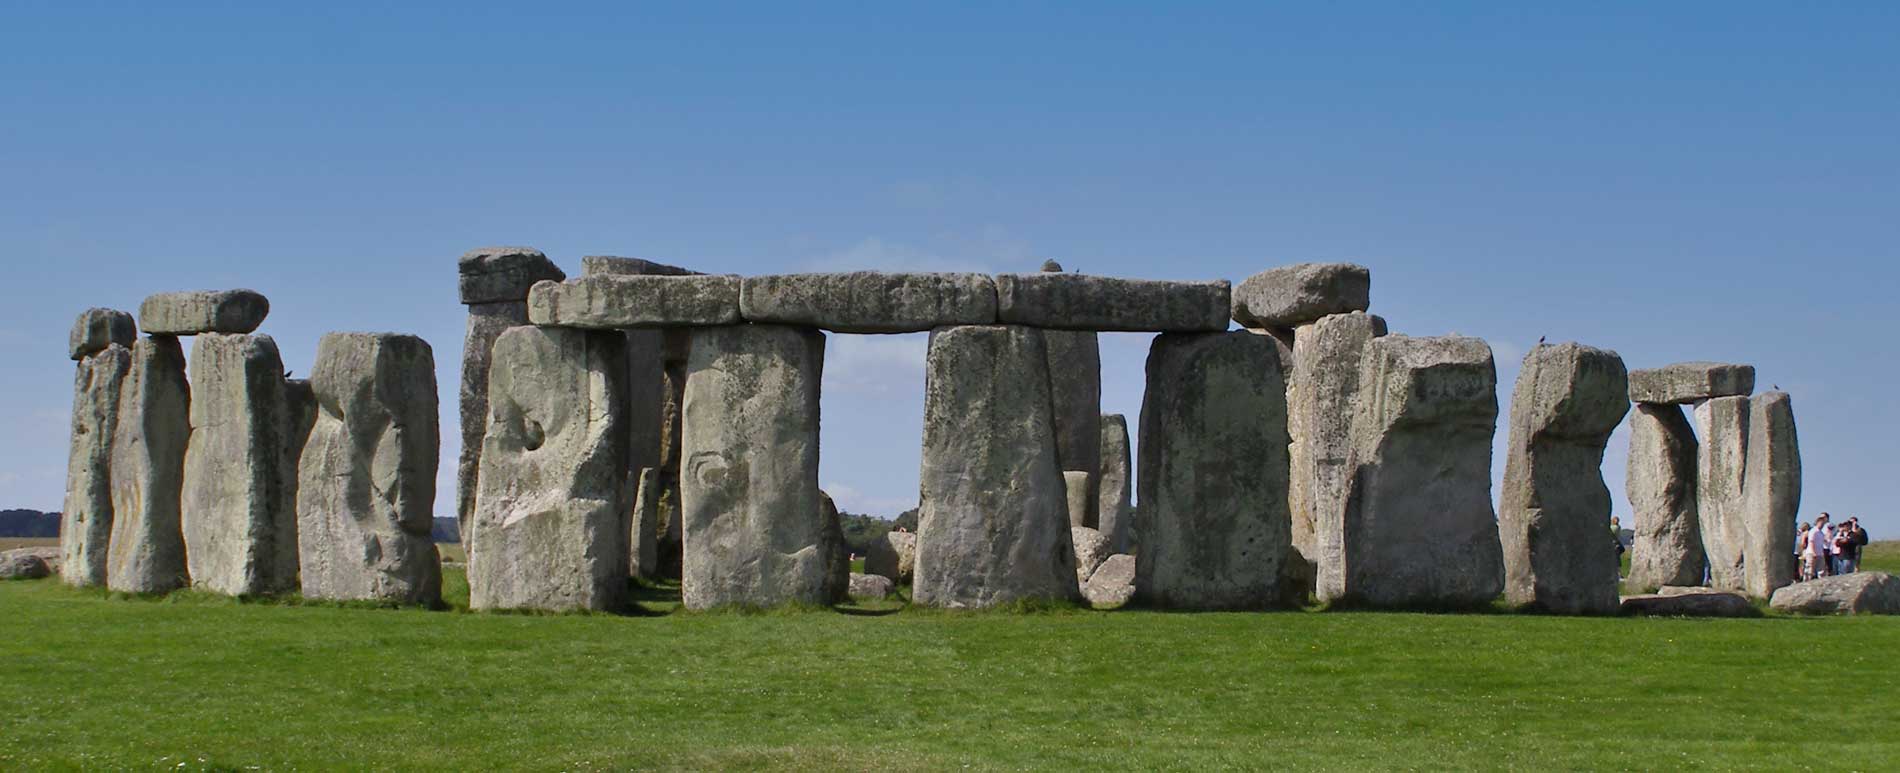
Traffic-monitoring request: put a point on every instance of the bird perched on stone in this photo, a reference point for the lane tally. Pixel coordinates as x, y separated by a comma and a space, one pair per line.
1540, 340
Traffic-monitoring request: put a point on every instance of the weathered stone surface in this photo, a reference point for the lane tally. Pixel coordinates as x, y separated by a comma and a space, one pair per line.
643, 552
1704, 603
1660, 481
870, 586
869, 301
993, 523
673, 397
596, 265
366, 479
610, 301
837, 551
552, 515
237, 510
22, 565
1416, 528
1084, 302
1112, 584
1115, 488
1688, 382
1771, 495
97, 329
1075, 489
1091, 549
1860, 593
1320, 399
501, 274
893, 556
646, 372
486, 321
148, 471
203, 311
1213, 476
754, 531
1075, 393
85, 525
1290, 296
1554, 514
1721, 466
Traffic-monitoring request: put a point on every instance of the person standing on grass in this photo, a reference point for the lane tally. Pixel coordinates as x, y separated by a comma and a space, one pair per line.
1853, 539
1802, 550
1819, 541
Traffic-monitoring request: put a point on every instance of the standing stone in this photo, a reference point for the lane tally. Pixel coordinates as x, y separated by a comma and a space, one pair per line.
85, 525
1416, 527
1320, 399
1114, 487
97, 329
1291, 296
1660, 482
643, 552
148, 470
1075, 489
1721, 466
1555, 510
894, 555
837, 551
1771, 495
551, 517
1213, 475
1075, 387
237, 511
366, 477
993, 525
754, 526
237, 312
678, 345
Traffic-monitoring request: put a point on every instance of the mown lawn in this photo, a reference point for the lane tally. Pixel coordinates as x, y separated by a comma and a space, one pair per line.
195, 682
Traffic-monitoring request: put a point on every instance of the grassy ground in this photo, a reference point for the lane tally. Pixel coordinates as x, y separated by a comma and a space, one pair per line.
199, 682
9, 543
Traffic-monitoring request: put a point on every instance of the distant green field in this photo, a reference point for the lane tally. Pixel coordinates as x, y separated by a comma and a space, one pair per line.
195, 682
9, 543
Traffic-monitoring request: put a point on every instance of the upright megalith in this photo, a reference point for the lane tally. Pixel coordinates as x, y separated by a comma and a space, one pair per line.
552, 515
1721, 470
1114, 491
993, 524
1321, 393
366, 477
1075, 392
894, 555
1290, 296
194, 312
1771, 495
1075, 489
837, 552
493, 284
148, 471
238, 511
643, 554
1416, 526
85, 524
677, 346
1555, 510
96, 329
752, 519
1660, 482
1213, 473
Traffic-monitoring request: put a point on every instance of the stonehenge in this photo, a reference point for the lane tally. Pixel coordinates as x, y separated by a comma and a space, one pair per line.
1066, 301
96, 329
643, 550
894, 555
1771, 495
1115, 488
869, 301
85, 529
148, 471
1322, 386
1721, 458
237, 505
1660, 480
236, 312
1290, 296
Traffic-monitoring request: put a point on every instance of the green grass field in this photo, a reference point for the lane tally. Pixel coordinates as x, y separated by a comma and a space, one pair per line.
197, 682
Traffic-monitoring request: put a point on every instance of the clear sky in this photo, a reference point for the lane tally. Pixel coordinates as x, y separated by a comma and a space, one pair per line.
1672, 181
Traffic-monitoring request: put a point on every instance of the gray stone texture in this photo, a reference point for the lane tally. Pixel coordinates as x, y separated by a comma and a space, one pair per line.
1321, 393
1700, 603
643, 553
1075, 392
23, 565
238, 507
869, 301
1771, 495
894, 556
754, 530
1554, 513
837, 551
1112, 584
203, 311
85, 524
486, 321
677, 347
870, 587
1290, 296
993, 524
1861, 593
1416, 528
1689, 382
1213, 473
1091, 549
1097, 303
366, 479
1075, 492
502, 274
97, 328
611, 301
552, 515
596, 265
1115, 487
1660, 482
646, 374
1721, 467
148, 471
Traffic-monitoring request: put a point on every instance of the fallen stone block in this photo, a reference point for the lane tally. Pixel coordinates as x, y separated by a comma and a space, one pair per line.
870, 587
1702, 603
97, 329
1091, 549
1689, 382
1290, 296
1084, 302
611, 301
23, 565
869, 301
894, 556
1861, 593
1112, 584
203, 311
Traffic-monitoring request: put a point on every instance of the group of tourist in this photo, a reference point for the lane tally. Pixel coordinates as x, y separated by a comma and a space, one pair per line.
1826, 549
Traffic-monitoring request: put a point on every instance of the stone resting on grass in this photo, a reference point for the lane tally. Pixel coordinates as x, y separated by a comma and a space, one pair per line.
148, 470
98, 342
238, 505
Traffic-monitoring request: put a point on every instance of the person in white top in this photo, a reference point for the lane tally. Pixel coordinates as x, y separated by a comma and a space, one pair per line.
1801, 550
1820, 540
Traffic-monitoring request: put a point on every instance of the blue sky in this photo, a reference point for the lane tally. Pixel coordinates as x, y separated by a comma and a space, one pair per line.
1689, 181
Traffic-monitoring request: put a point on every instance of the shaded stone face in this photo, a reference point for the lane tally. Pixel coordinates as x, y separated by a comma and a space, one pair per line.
1706, 604
1091, 549
643, 552
993, 524
148, 470
870, 301
552, 514
1721, 467
893, 556
1115, 489
753, 525
1688, 382
609, 301
1554, 518
366, 477
1075, 393
486, 321
501, 274
837, 553
85, 524
1097, 303
237, 508
1321, 393
1771, 495
203, 311
1213, 475
1290, 296
1660, 481
97, 329
1416, 527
